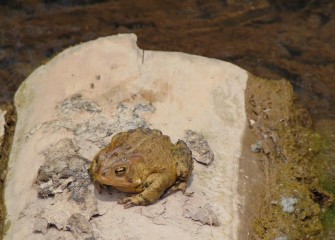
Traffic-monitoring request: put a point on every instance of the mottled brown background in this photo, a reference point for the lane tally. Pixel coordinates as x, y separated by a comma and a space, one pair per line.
294, 39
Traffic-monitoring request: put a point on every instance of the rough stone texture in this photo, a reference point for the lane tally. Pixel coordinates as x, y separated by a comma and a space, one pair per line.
204, 214
94, 90
201, 152
41, 225
80, 226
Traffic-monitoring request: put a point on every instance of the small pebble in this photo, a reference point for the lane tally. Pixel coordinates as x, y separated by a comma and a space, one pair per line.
257, 147
288, 204
281, 238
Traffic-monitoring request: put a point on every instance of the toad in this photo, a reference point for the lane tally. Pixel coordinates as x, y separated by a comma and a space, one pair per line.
145, 162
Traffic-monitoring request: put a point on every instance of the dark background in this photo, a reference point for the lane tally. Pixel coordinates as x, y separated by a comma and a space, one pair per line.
293, 39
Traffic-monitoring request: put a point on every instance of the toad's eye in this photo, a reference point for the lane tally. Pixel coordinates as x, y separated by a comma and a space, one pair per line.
120, 171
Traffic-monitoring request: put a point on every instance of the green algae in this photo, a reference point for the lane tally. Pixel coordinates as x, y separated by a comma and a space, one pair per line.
325, 169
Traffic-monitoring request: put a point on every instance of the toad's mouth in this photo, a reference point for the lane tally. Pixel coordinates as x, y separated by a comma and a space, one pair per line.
112, 181
123, 183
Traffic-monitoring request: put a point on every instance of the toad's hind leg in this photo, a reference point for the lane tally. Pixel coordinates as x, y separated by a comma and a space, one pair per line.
184, 166
155, 186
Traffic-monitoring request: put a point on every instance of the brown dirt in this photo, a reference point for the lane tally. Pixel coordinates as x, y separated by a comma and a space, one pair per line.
252, 184
287, 163
10, 119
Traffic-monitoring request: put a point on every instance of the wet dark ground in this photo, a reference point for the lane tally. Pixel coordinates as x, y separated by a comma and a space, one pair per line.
293, 39
274, 39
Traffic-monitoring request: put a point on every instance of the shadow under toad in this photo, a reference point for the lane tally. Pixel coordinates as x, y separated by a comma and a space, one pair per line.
106, 193
109, 194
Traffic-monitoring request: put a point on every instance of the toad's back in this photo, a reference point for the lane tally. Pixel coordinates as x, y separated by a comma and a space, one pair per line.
154, 147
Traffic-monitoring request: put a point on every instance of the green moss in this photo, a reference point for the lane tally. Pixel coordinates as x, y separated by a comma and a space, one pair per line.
292, 153
324, 165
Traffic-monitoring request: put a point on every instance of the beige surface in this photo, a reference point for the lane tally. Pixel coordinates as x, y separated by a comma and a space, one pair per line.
185, 91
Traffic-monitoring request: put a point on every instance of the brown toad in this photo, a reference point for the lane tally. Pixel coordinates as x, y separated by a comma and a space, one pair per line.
143, 161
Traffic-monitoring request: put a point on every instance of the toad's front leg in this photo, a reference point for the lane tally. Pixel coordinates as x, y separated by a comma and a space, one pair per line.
154, 185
